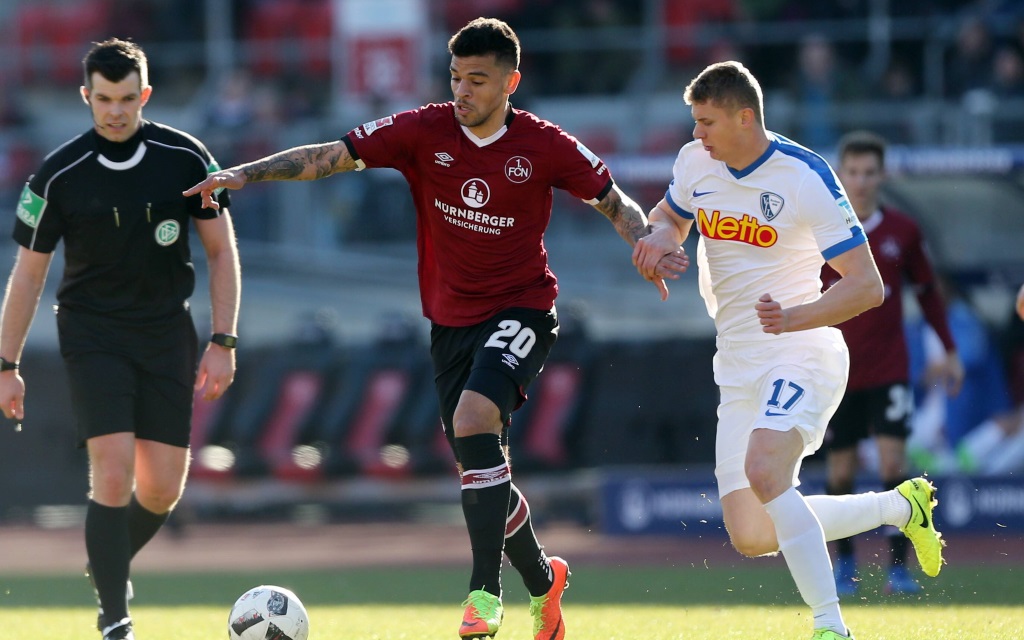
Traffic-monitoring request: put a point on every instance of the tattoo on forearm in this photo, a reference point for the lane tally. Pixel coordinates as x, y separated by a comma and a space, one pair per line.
628, 218
325, 160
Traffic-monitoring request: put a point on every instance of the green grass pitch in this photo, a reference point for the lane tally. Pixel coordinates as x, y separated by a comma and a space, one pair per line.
603, 603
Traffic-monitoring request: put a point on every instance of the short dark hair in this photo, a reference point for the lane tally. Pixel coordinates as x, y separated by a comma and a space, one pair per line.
858, 142
486, 36
727, 85
114, 59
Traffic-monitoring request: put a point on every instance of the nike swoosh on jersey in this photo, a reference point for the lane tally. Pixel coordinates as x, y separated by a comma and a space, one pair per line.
697, 194
770, 414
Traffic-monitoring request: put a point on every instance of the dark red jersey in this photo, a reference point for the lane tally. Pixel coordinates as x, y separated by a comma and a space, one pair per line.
878, 348
482, 205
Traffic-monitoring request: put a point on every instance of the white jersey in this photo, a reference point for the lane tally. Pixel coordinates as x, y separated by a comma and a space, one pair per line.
766, 229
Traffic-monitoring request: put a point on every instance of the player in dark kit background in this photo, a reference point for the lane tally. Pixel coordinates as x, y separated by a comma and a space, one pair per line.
481, 175
878, 399
113, 195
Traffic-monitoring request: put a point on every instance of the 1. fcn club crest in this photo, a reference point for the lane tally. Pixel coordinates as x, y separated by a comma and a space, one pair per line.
771, 205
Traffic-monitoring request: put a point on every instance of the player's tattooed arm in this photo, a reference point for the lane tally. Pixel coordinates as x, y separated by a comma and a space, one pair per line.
627, 216
309, 162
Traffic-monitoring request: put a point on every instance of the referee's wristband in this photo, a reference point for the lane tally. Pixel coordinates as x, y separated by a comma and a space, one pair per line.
7, 365
225, 340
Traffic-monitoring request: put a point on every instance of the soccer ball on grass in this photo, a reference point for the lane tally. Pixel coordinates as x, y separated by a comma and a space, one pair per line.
267, 612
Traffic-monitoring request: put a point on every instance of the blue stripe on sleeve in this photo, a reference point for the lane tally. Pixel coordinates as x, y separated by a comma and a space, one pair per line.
675, 207
812, 160
858, 238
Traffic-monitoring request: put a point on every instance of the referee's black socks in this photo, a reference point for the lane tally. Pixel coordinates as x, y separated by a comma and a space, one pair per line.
142, 524
107, 546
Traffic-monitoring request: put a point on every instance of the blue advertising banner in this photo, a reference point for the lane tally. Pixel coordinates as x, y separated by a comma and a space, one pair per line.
646, 502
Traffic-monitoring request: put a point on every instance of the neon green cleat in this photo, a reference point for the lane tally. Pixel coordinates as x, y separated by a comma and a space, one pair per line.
920, 528
828, 634
546, 610
483, 615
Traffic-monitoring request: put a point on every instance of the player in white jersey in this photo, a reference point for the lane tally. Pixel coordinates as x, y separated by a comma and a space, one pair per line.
769, 213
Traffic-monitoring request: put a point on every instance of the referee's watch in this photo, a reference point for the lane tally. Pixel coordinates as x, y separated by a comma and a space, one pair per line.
226, 340
7, 365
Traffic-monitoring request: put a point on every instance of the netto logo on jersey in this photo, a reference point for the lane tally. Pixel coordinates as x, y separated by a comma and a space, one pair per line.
167, 232
475, 192
518, 169
747, 229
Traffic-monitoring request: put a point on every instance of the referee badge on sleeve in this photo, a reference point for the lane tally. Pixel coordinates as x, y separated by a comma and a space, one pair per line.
30, 207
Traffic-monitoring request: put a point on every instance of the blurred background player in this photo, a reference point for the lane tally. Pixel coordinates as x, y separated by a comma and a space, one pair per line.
113, 195
878, 400
481, 175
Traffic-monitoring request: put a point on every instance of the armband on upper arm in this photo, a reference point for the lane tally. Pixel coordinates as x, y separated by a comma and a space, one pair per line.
30, 207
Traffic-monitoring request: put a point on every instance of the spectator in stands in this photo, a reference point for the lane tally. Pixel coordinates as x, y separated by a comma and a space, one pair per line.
484, 280
940, 420
767, 211
126, 334
898, 86
821, 83
878, 400
232, 110
574, 69
969, 65
996, 446
684, 19
1008, 73
11, 112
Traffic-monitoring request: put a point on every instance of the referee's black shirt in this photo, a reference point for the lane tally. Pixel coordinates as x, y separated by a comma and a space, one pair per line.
125, 224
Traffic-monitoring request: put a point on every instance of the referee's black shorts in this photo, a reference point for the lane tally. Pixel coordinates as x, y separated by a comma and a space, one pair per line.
497, 358
126, 377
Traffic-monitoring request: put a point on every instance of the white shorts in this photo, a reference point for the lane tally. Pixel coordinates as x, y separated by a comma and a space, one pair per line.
795, 380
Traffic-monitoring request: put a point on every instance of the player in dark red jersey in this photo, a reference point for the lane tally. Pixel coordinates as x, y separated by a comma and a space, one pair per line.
878, 399
481, 175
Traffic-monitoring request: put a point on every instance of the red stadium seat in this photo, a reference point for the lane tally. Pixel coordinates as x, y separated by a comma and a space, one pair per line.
557, 390
52, 36
298, 395
272, 27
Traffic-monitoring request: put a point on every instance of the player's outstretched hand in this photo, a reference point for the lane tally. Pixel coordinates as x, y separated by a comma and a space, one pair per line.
771, 314
223, 179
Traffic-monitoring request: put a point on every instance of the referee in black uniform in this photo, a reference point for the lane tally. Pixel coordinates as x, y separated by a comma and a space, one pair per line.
113, 194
